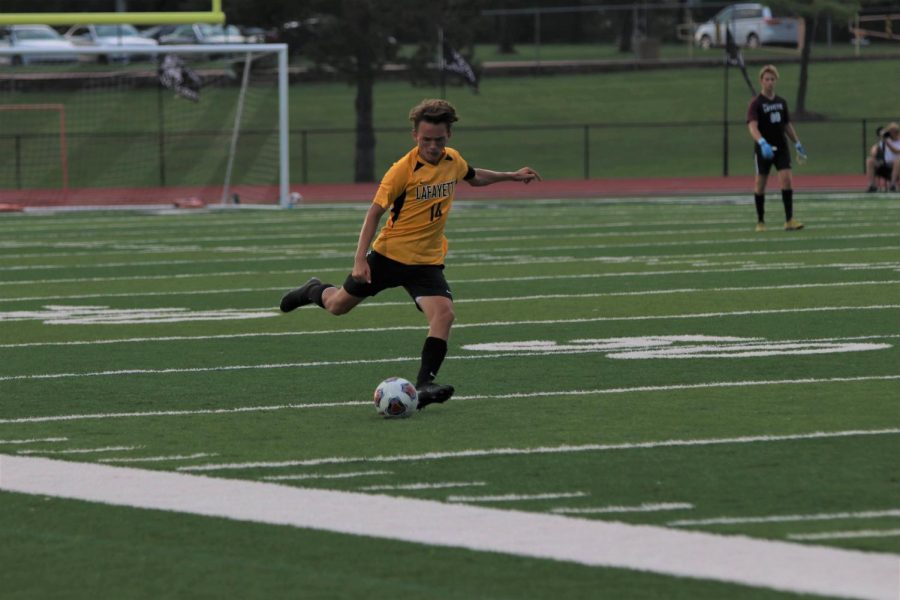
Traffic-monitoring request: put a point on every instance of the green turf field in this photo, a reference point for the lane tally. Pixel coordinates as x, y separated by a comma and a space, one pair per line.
643, 362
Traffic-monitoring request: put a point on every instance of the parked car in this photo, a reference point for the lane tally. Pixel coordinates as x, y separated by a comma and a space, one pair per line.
254, 35
752, 25
37, 36
200, 33
157, 31
109, 36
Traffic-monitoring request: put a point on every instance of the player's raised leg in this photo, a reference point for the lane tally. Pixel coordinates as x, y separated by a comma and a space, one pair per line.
335, 300
300, 296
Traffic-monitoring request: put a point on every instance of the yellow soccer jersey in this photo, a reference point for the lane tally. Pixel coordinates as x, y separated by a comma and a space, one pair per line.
418, 195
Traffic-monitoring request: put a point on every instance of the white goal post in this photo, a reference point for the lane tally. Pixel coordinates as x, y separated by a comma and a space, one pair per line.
224, 123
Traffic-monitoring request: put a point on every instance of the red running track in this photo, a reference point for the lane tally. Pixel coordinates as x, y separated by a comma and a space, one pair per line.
195, 196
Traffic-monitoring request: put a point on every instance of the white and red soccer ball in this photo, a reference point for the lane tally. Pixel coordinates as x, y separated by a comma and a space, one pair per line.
395, 397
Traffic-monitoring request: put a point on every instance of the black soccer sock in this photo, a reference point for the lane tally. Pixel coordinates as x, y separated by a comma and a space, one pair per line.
760, 201
315, 293
787, 197
433, 353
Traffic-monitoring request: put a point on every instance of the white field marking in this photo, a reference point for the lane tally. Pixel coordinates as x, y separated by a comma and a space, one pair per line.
746, 350
741, 560
172, 457
640, 508
663, 346
35, 440
517, 497
736, 267
218, 291
869, 514
525, 258
163, 244
564, 449
175, 276
459, 398
81, 450
845, 535
63, 311
226, 336
498, 261
104, 315
348, 475
180, 413
422, 486
311, 364
677, 243
669, 388
285, 255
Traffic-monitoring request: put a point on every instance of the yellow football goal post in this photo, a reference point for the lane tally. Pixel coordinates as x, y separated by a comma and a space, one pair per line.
213, 16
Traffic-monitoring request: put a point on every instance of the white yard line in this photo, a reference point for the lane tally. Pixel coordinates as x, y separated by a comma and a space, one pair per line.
354, 330
564, 449
35, 440
740, 560
742, 268
147, 246
870, 514
530, 298
348, 404
180, 413
414, 358
640, 508
483, 263
347, 475
81, 450
422, 486
845, 535
172, 457
517, 497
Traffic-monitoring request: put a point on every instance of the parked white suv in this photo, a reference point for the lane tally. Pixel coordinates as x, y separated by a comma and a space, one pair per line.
752, 25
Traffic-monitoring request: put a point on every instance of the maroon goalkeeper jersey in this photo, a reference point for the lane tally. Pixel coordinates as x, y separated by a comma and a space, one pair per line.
771, 117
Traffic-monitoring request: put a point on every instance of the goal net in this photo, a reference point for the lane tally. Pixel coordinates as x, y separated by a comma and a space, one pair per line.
183, 125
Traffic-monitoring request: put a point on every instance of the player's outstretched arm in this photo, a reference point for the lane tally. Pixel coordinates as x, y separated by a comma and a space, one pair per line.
487, 177
361, 270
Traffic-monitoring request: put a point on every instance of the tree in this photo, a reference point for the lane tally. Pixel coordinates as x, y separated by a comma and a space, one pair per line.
811, 11
355, 38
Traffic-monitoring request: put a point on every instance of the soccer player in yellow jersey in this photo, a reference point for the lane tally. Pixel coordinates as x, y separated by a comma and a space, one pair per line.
409, 251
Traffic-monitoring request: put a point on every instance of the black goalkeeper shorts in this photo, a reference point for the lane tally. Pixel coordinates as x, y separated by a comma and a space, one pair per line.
781, 160
417, 280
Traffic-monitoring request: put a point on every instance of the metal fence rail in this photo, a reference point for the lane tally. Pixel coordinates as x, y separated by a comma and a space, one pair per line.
325, 155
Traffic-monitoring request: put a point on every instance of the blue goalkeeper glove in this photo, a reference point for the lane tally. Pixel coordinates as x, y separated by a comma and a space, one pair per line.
766, 149
801, 151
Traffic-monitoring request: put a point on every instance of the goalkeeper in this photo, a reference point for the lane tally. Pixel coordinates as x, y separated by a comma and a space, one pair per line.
409, 251
768, 120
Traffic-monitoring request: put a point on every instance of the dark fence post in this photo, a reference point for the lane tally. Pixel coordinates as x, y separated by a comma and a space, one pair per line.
864, 144
303, 161
161, 136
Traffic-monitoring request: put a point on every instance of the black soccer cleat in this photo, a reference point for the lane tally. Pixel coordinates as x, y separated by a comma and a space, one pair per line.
298, 297
433, 393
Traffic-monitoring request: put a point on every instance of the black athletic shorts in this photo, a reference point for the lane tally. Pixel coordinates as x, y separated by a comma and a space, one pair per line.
883, 170
781, 160
417, 280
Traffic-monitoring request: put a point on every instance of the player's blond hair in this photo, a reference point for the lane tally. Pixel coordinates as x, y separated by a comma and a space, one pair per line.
433, 110
768, 69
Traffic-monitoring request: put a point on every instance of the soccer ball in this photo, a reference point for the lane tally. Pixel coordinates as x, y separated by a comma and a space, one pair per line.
395, 397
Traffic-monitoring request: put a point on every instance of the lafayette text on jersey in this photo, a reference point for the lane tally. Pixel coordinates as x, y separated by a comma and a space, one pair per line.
771, 117
419, 196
